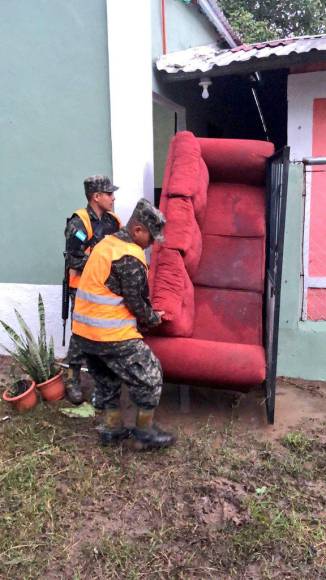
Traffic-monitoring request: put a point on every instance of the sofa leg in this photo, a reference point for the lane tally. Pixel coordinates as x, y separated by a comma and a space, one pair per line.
184, 398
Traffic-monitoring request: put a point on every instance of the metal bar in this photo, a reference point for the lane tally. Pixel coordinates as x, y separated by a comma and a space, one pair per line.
260, 112
316, 282
306, 243
314, 161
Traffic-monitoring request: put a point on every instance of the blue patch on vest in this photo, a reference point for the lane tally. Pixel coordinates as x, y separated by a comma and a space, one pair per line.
81, 235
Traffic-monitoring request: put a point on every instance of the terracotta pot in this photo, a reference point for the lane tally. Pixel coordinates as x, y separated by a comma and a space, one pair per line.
23, 402
53, 389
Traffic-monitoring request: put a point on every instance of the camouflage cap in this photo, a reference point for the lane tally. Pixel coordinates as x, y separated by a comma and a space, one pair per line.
99, 183
150, 217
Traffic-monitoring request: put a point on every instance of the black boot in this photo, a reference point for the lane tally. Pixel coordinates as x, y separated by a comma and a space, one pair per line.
150, 436
113, 430
74, 393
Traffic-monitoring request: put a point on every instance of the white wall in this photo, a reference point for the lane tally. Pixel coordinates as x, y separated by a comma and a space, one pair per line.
24, 297
130, 73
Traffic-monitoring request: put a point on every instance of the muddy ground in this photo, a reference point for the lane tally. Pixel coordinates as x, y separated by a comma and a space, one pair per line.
235, 498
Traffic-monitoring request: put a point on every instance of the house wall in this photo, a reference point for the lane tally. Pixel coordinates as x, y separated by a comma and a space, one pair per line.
55, 130
302, 342
186, 26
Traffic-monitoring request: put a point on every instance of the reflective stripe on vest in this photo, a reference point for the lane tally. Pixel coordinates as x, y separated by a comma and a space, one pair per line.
104, 323
100, 314
98, 299
74, 275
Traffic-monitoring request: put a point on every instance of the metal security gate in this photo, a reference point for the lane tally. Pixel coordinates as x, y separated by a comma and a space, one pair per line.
277, 183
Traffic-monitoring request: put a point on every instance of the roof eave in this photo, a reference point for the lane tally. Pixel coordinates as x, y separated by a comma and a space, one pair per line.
273, 62
216, 17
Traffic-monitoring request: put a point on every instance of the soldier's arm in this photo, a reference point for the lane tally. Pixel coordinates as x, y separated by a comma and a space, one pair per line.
128, 278
75, 247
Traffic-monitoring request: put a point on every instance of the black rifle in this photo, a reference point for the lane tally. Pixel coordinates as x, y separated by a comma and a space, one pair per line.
65, 294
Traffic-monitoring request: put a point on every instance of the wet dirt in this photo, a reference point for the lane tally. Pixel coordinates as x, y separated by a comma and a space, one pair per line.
298, 402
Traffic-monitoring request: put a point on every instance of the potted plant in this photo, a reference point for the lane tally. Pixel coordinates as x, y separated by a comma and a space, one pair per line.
21, 394
35, 357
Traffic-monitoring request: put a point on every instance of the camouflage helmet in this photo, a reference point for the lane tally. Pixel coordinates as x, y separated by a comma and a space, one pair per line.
150, 217
98, 183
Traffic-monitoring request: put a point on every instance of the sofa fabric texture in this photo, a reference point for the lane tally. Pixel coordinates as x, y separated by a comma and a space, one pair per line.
208, 275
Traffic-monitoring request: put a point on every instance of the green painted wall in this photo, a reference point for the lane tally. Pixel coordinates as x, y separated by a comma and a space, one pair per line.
185, 27
302, 350
163, 120
54, 126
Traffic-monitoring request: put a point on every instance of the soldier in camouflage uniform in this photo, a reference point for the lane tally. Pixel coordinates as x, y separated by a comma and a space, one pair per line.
99, 192
129, 361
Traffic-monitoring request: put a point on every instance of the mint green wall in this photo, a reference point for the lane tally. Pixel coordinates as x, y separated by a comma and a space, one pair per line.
185, 27
302, 344
54, 126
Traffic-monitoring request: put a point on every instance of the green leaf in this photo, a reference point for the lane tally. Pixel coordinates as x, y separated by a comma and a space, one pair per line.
41, 313
85, 410
12, 334
25, 328
261, 490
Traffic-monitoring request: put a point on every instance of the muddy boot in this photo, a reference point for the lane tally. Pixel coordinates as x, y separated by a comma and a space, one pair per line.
113, 430
74, 393
97, 399
149, 436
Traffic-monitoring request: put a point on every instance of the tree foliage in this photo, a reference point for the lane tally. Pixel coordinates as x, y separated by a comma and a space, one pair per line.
257, 20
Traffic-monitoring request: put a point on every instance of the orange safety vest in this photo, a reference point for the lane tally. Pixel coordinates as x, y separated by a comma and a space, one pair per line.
74, 275
100, 314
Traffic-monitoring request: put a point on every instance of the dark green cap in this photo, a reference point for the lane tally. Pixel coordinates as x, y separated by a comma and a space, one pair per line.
99, 183
151, 218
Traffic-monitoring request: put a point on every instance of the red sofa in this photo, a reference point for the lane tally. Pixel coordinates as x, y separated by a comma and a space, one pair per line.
208, 276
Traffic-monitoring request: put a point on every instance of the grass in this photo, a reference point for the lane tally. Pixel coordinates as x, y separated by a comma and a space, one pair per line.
232, 509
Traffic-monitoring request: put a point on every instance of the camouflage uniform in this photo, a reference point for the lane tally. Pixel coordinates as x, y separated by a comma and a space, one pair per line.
128, 361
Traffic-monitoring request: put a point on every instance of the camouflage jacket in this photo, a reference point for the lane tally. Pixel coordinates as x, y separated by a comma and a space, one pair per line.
128, 278
76, 255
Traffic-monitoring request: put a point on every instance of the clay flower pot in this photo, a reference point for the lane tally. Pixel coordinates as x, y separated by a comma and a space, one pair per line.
23, 402
52, 389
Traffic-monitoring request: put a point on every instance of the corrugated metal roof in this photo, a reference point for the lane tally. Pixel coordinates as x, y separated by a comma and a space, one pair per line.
205, 58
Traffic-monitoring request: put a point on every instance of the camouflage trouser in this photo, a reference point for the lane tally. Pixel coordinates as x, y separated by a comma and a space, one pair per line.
75, 355
131, 362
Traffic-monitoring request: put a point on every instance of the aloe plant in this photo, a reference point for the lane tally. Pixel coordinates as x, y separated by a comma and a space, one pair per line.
33, 356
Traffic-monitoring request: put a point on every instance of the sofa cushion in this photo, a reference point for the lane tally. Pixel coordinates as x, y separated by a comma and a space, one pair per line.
173, 292
228, 262
182, 232
199, 200
201, 362
180, 223
185, 169
228, 315
236, 160
235, 209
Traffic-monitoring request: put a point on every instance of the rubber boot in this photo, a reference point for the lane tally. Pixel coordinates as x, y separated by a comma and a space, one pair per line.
113, 431
73, 389
147, 435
